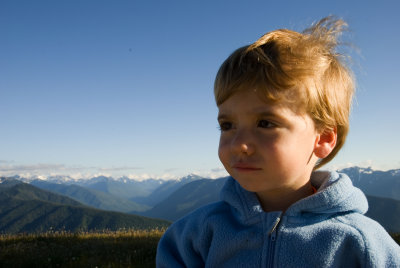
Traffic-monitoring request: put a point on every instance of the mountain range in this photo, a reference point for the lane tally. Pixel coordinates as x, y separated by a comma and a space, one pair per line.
186, 199
172, 199
384, 184
26, 208
91, 197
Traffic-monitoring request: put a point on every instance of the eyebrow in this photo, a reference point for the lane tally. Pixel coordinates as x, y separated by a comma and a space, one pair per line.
221, 116
258, 114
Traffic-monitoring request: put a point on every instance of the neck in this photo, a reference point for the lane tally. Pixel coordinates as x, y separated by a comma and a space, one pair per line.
282, 199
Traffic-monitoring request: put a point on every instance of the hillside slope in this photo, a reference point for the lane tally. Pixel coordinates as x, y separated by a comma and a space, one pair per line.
385, 211
25, 208
186, 199
91, 197
123, 188
378, 183
164, 190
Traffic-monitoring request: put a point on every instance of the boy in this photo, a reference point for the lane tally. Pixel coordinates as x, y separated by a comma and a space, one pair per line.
284, 104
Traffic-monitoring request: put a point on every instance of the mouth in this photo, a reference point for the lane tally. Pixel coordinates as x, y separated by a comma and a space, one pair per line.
243, 167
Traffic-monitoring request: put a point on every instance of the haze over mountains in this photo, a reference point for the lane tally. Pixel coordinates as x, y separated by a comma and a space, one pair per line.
26, 208
85, 200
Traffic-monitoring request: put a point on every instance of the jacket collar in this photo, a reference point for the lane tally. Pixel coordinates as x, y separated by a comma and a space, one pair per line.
336, 194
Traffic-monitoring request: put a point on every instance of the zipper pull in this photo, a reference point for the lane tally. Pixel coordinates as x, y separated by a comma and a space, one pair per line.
273, 230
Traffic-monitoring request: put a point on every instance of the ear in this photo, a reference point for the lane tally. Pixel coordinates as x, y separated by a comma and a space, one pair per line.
325, 142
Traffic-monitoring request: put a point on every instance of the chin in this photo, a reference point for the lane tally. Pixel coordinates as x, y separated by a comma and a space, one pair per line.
247, 185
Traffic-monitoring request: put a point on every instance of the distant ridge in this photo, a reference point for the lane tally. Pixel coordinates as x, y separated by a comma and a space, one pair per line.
122, 187
385, 211
91, 197
25, 208
378, 183
187, 198
165, 189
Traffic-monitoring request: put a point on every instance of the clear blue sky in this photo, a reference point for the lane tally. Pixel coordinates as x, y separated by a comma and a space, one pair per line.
125, 87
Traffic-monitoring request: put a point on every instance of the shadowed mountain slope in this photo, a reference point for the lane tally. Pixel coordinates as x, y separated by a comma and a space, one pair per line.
25, 208
187, 198
91, 197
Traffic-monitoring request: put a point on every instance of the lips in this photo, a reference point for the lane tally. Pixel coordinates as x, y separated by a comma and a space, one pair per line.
245, 167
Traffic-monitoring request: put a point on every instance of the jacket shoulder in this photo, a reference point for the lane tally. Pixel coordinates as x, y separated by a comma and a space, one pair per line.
379, 247
186, 241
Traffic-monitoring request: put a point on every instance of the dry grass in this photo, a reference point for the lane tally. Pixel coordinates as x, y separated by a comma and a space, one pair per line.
124, 248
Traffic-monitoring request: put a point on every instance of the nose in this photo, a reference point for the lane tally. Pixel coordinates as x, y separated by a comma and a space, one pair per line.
242, 143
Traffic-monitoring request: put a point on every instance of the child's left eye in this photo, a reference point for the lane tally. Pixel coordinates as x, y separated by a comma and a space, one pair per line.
265, 124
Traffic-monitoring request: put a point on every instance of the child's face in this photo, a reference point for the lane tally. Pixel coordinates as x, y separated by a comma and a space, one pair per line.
266, 147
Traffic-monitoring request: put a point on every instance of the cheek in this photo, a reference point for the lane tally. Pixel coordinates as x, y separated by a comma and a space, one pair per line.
270, 146
223, 150
299, 150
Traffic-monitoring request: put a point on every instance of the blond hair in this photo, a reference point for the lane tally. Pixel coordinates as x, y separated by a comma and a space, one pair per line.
302, 69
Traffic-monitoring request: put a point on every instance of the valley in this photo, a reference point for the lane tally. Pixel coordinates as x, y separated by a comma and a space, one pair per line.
62, 204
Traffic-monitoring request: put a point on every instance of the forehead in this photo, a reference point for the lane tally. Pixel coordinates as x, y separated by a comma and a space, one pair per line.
252, 102
249, 106
292, 97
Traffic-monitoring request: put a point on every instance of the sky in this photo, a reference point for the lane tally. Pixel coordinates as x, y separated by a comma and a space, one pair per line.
125, 88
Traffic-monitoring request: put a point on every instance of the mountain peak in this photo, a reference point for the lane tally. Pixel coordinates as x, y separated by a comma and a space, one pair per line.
190, 177
8, 182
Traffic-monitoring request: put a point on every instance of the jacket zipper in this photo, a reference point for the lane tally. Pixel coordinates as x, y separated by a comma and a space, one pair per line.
272, 238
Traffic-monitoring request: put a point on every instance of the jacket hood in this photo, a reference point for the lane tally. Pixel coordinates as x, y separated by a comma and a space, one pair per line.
335, 194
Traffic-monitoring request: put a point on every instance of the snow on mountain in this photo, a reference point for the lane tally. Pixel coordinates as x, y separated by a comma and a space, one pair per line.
60, 179
190, 177
53, 179
374, 182
395, 172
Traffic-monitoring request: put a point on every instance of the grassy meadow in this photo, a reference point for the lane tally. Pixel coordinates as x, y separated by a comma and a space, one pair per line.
125, 248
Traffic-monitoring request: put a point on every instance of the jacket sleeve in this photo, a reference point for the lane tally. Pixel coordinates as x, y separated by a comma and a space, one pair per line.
381, 249
181, 245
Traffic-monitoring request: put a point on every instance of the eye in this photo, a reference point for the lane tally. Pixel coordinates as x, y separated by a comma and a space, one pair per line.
265, 124
225, 126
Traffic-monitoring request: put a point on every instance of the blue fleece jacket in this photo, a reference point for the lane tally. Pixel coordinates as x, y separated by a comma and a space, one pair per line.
327, 229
